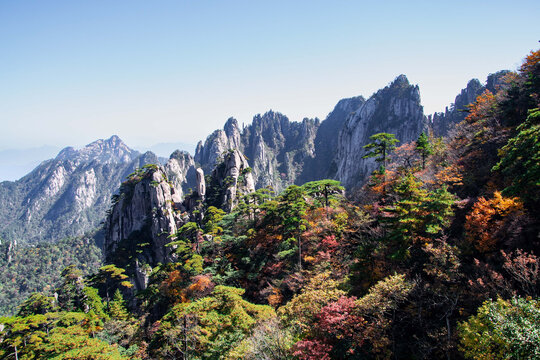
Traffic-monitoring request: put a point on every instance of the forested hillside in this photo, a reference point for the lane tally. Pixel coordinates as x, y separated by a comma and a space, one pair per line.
436, 257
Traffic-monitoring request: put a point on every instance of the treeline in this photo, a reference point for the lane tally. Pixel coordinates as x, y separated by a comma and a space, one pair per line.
436, 257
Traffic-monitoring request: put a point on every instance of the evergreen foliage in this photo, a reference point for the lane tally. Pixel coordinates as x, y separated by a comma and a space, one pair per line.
380, 148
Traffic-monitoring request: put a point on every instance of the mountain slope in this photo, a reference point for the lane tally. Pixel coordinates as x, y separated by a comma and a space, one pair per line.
69, 194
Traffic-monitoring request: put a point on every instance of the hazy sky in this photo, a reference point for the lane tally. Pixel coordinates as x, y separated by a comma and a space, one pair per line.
173, 71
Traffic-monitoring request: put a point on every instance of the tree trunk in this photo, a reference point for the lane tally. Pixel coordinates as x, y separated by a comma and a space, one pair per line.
299, 254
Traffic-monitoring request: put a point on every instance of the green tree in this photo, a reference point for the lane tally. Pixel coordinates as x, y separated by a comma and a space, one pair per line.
118, 309
380, 147
520, 160
503, 329
418, 216
111, 277
209, 327
70, 291
423, 146
291, 210
37, 303
93, 302
327, 189
190, 262
212, 218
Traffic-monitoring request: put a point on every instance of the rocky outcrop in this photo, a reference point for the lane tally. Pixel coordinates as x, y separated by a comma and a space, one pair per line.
326, 141
230, 179
282, 152
216, 144
67, 195
395, 109
181, 172
201, 184
442, 122
110, 151
141, 222
277, 148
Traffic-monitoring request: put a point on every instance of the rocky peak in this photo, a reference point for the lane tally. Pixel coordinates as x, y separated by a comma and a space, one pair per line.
395, 109
180, 170
67, 195
442, 122
208, 155
400, 81
496, 80
232, 131
140, 223
112, 150
229, 180
278, 148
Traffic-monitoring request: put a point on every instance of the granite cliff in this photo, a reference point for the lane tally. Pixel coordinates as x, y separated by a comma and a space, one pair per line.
395, 109
281, 152
140, 222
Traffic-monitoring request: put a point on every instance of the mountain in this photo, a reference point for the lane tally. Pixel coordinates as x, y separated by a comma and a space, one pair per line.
326, 140
395, 109
282, 152
406, 269
272, 151
442, 122
140, 222
67, 195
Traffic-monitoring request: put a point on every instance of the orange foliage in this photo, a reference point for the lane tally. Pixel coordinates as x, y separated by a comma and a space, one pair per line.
275, 298
530, 62
483, 107
487, 218
381, 183
172, 288
405, 156
202, 285
450, 175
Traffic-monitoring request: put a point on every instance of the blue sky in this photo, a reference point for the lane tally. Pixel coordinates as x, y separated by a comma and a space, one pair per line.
173, 71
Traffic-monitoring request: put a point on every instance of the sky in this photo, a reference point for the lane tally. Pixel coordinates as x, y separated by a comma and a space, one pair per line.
173, 71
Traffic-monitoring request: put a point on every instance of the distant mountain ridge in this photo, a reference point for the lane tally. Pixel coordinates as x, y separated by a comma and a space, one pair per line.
70, 194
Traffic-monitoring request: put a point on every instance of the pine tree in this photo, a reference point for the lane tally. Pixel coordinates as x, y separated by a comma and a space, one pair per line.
424, 148
117, 308
381, 146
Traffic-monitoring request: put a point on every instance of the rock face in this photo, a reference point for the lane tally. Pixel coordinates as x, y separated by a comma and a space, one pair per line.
326, 141
140, 224
201, 184
209, 154
282, 152
181, 172
230, 179
395, 109
68, 195
277, 148
442, 122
